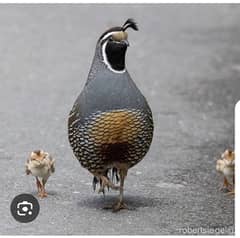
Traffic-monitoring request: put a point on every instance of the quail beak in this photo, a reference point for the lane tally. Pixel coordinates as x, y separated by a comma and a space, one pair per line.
125, 42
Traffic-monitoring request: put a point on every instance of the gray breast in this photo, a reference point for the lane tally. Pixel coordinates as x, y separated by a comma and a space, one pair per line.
109, 91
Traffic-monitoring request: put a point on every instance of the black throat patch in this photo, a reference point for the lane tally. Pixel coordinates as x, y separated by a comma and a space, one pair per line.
115, 53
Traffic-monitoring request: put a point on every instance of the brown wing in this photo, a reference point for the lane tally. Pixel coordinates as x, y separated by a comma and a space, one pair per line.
27, 171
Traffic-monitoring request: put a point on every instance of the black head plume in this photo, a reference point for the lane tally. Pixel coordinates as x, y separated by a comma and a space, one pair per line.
130, 23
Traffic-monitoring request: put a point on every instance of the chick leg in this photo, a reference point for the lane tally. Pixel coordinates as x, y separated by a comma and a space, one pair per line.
39, 187
44, 194
225, 184
120, 204
232, 191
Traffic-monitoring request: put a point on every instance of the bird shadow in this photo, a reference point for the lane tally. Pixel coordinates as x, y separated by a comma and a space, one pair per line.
133, 202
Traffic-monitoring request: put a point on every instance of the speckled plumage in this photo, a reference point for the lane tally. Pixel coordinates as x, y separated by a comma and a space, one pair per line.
104, 138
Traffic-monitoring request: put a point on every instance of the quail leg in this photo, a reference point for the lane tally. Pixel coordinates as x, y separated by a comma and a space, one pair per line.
39, 187
44, 194
120, 204
225, 184
108, 183
232, 191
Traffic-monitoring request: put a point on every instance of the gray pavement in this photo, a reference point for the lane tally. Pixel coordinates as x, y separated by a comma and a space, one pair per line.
186, 61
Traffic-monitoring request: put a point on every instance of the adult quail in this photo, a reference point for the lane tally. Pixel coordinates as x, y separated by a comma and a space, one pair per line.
110, 126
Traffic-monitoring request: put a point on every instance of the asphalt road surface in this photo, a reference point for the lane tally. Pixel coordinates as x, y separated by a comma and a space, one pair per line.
186, 61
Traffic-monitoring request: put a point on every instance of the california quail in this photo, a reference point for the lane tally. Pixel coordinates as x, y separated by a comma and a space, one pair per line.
41, 165
110, 126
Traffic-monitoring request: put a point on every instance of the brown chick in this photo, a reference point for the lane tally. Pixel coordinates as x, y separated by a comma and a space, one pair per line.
41, 165
226, 166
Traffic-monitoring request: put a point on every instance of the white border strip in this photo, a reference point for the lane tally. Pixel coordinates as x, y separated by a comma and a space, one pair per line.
120, 1
108, 34
237, 163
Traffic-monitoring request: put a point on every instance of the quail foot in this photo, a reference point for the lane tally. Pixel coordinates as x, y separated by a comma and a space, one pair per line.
41, 165
110, 126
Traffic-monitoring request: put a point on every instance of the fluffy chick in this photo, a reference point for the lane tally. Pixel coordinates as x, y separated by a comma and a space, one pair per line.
41, 165
226, 166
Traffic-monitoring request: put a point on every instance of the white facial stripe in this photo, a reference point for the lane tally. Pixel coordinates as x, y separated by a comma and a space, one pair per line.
106, 61
109, 34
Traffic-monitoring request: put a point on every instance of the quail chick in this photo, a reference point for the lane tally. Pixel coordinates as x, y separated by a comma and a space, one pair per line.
110, 126
226, 166
41, 165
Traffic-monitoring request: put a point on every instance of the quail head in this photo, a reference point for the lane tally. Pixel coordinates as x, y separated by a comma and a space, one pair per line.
110, 126
41, 165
